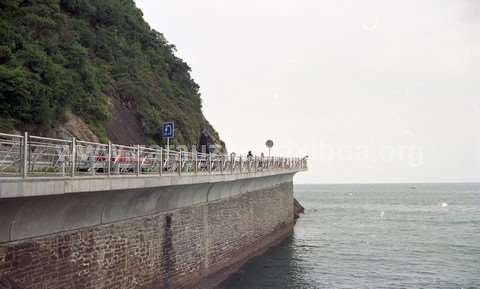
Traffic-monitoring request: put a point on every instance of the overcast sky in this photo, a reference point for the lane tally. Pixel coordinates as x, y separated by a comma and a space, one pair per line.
371, 90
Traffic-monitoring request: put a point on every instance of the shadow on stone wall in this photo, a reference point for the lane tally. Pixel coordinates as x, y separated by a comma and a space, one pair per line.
7, 283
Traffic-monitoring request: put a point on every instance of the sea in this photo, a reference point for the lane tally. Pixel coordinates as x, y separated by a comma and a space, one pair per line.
375, 236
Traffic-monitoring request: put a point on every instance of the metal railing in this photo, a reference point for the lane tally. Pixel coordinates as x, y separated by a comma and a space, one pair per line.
34, 156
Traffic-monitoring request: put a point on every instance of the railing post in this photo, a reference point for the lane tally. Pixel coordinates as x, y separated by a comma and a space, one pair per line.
167, 158
210, 163
161, 161
74, 155
138, 160
62, 154
93, 162
25, 155
222, 159
196, 163
180, 163
109, 161
241, 164
255, 163
232, 163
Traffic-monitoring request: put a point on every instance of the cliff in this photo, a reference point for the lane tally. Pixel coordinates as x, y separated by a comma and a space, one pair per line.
94, 70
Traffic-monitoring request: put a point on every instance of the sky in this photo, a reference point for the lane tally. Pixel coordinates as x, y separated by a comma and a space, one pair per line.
373, 91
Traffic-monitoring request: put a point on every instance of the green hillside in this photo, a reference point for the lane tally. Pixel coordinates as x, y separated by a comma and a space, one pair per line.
98, 60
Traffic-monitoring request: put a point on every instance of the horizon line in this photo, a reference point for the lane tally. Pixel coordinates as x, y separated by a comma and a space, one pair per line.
391, 183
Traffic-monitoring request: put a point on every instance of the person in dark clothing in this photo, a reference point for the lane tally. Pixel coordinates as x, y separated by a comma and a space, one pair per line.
203, 143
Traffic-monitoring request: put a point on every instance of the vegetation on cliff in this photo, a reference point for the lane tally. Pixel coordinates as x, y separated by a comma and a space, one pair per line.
84, 57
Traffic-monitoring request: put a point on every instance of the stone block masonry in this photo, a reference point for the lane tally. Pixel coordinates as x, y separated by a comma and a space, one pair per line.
170, 249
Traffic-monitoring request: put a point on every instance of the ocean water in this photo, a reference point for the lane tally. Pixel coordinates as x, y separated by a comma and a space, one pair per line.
375, 236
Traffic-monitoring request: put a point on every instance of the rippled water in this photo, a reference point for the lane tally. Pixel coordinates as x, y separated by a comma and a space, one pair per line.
375, 236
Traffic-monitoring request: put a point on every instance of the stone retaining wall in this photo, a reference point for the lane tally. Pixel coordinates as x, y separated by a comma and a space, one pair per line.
171, 249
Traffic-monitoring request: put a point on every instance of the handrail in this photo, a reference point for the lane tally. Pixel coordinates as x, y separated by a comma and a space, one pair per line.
10, 135
90, 143
32, 156
50, 139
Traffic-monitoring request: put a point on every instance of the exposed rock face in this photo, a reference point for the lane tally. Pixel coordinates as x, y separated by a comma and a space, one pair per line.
124, 127
297, 209
76, 127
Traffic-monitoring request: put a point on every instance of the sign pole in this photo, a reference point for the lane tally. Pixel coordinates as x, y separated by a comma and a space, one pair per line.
269, 144
168, 132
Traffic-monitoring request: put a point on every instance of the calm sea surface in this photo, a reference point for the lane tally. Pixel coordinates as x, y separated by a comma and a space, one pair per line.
375, 236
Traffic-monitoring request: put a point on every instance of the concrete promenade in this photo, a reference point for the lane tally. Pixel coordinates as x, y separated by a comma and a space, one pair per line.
45, 186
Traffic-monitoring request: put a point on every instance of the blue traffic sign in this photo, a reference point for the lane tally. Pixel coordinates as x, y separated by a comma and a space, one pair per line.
168, 129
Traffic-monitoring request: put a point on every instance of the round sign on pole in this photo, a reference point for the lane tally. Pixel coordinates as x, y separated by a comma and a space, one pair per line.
269, 144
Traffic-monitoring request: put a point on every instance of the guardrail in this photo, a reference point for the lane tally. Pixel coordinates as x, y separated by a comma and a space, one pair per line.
34, 156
